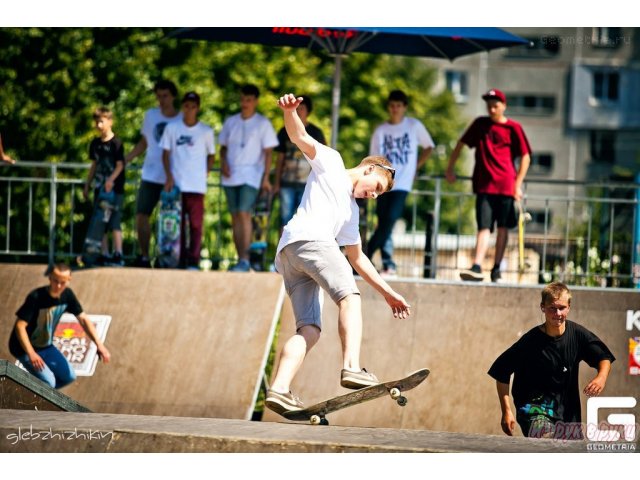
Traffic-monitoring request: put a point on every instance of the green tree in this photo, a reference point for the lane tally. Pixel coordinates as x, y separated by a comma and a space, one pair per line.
53, 78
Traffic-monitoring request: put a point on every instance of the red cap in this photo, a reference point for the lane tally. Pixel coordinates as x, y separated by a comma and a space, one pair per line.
495, 94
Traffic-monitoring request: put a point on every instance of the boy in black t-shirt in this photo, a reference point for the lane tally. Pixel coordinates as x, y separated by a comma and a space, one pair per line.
31, 339
544, 364
107, 172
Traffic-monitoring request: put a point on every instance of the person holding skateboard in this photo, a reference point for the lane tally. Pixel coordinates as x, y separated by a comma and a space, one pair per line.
31, 340
310, 261
545, 363
246, 145
498, 141
153, 176
107, 173
189, 152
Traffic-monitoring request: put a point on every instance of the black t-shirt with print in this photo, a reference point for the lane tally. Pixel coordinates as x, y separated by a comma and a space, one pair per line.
545, 369
42, 313
106, 154
296, 168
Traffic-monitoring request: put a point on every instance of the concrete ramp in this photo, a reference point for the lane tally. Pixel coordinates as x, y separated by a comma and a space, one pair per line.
52, 432
456, 330
183, 343
21, 391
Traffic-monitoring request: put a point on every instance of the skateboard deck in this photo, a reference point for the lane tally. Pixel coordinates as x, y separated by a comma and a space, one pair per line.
169, 219
316, 413
260, 223
102, 211
523, 218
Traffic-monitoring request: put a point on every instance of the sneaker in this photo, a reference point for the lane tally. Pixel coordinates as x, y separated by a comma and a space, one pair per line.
117, 260
357, 380
241, 266
495, 275
389, 273
282, 402
474, 274
142, 262
103, 261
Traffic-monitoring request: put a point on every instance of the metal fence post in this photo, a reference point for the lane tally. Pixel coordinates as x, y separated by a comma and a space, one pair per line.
436, 227
53, 204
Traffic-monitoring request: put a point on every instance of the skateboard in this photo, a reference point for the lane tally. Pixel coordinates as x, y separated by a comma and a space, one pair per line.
316, 414
102, 211
260, 223
169, 219
523, 217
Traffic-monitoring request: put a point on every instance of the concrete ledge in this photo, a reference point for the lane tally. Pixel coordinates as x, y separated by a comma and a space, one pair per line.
53, 432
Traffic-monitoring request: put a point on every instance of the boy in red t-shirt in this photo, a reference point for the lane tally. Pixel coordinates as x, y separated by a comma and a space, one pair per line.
498, 141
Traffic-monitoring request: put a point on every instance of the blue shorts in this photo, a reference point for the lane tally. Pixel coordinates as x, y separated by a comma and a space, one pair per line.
241, 198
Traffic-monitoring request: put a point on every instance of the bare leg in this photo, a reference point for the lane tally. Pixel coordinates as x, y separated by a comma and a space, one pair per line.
117, 240
105, 244
350, 330
501, 244
292, 356
482, 245
242, 230
144, 233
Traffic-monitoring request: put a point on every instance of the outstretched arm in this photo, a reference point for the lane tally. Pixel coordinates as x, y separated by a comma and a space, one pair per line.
361, 263
88, 327
294, 126
508, 421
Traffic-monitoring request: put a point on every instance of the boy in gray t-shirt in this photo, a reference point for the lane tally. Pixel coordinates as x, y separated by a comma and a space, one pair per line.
309, 258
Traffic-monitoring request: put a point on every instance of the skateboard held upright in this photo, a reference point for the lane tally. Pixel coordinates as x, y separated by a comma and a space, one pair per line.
169, 219
316, 414
523, 217
260, 222
103, 208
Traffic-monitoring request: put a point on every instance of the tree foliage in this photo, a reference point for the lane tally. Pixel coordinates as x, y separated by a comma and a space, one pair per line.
53, 78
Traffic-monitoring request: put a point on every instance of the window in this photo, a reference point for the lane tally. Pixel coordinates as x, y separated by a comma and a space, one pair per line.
606, 37
538, 47
541, 163
605, 86
531, 104
603, 146
457, 84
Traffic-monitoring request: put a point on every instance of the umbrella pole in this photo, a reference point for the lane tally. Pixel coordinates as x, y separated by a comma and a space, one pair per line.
335, 99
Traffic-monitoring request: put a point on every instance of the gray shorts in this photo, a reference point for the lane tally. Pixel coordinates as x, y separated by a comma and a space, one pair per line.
308, 268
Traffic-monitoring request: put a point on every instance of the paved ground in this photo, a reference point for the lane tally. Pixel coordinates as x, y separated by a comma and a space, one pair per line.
32, 431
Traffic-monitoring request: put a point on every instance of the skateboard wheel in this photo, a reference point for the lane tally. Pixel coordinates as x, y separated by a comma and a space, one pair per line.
402, 401
324, 421
395, 393
315, 420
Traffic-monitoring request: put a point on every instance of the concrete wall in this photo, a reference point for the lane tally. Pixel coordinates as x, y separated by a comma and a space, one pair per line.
457, 330
182, 343
194, 343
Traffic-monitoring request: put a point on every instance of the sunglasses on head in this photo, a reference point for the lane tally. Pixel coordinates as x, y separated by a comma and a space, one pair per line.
392, 170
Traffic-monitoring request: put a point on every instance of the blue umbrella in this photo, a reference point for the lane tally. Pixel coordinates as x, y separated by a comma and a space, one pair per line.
438, 42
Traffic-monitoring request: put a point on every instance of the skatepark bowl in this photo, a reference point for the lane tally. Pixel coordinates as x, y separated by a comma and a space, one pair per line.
190, 349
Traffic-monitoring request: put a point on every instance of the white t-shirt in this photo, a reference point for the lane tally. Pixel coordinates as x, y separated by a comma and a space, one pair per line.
153, 126
189, 147
328, 211
399, 144
246, 141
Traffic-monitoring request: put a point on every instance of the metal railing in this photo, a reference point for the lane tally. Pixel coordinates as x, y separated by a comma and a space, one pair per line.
583, 233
